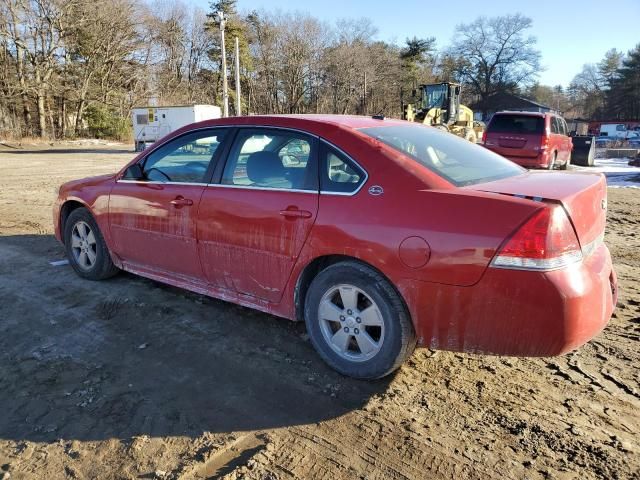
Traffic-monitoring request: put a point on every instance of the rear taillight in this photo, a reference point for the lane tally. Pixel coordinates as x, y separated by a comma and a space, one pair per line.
544, 143
546, 241
484, 137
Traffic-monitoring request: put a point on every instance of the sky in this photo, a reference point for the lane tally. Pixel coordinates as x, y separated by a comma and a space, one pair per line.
570, 33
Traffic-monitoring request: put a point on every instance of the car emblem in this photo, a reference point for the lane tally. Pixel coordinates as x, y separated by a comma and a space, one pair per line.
375, 190
603, 204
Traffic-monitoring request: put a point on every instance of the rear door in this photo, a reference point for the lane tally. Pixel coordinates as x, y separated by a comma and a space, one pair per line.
515, 135
153, 221
255, 217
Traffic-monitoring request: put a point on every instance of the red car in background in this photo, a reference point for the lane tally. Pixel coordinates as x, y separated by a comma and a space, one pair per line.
379, 234
530, 139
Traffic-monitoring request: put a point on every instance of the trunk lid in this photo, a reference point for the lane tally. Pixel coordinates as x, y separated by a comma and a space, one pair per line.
583, 196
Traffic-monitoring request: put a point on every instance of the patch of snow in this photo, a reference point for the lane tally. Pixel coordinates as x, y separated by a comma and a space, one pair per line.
90, 141
617, 170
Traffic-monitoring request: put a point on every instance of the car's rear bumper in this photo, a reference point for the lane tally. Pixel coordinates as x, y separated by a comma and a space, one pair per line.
540, 161
520, 313
528, 159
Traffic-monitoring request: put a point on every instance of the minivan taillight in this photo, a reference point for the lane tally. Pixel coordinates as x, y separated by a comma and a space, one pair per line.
544, 142
484, 137
546, 241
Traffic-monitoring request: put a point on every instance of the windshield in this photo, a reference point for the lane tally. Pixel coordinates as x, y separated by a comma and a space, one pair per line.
456, 160
434, 96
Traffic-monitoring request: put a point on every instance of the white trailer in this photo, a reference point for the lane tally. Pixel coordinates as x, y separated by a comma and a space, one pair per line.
617, 130
150, 124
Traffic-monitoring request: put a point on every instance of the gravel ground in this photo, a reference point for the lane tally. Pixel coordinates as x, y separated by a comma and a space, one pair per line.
129, 378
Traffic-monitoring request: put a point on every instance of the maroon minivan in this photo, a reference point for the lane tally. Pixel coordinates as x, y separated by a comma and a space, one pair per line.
530, 139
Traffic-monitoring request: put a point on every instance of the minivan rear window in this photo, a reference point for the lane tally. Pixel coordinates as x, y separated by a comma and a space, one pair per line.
524, 124
458, 161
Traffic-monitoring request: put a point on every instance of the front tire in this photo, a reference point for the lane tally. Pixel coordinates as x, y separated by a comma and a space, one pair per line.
357, 322
86, 249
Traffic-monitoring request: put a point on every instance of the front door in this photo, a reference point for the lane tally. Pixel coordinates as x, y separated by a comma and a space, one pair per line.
153, 219
253, 223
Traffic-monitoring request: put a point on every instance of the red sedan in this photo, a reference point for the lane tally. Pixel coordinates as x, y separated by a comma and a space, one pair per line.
379, 234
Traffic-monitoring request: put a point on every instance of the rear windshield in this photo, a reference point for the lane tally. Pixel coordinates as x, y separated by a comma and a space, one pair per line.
456, 160
526, 124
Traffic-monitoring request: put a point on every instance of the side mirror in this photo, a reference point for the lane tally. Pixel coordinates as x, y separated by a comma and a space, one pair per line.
134, 172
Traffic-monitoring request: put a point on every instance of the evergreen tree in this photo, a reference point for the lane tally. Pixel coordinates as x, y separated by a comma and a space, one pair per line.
235, 27
623, 99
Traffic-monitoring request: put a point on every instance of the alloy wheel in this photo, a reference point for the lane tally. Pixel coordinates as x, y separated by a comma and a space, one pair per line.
83, 245
351, 323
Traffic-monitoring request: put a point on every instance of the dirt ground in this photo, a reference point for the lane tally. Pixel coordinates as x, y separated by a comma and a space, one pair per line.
128, 378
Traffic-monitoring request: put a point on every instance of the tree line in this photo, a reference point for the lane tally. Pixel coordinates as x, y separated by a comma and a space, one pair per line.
609, 89
77, 67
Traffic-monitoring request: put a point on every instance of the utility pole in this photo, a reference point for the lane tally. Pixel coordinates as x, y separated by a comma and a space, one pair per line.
238, 103
364, 95
225, 92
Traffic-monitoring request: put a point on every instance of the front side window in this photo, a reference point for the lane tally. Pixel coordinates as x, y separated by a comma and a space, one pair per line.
184, 159
271, 159
337, 172
456, 160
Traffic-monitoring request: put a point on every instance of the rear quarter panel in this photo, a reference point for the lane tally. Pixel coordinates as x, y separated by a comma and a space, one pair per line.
463, 230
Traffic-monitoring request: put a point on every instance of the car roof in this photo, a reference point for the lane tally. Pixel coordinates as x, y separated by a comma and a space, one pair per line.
521, 112
344, 121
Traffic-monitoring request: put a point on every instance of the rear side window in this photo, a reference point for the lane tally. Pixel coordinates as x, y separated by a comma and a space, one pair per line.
456, 160
337, 172
523, 124
555, 125
563, 126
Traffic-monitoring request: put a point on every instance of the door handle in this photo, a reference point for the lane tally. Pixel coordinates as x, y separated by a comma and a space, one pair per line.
295, 213
180, 202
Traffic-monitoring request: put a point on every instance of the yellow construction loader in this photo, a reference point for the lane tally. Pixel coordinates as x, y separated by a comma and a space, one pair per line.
438, 105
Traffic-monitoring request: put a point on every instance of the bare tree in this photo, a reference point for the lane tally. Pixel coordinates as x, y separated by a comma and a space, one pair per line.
103, 35
37, 29
495, 54
80, 66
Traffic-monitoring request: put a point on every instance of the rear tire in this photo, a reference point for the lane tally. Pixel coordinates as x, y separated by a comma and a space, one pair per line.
357, 322
86, 249
566, 164
552, 162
